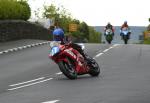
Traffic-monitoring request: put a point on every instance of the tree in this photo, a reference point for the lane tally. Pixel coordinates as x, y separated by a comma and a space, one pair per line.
37, 12
94, 37
63, 18
51, 12
26, 13
76, 21
60, 15
84, 29
148, 28
14, 10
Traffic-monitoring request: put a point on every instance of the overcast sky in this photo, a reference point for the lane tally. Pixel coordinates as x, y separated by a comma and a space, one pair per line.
99, 12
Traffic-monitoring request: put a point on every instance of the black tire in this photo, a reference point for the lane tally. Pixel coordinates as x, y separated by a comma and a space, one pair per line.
109, 42
94, 67
109, 38
68, 70
125, 39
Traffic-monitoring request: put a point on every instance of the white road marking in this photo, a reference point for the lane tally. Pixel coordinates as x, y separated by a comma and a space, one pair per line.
30, 84
11, 50
15, 49
37, 44
105, 50
6, 51
27, 82
20, 47
59, 73
54, 101
28, 45
116, 45
33, 44
111, 47
24, 47
99, 54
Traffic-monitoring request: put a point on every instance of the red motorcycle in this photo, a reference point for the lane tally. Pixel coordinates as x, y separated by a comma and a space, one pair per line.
71, 62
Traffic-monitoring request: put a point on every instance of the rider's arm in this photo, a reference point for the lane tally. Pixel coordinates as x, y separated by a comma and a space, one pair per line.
53, 36
113, 29
105, 28
129, 30
122, 27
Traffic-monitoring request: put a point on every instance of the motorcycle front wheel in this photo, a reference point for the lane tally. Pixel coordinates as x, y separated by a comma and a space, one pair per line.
68, 69
125, 39
109, 38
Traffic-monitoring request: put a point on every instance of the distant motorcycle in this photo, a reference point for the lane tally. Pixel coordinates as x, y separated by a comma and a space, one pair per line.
71, 62
125, 33
109, 35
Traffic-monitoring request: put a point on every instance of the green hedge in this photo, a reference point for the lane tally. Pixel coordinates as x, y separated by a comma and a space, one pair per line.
146, 41
94, 37
14, 10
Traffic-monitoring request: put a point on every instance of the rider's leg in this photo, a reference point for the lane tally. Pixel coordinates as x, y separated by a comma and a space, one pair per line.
79, 49
129, 35
113, 33
121, 35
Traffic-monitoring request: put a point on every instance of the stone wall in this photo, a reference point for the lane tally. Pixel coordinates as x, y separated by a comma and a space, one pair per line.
18, 29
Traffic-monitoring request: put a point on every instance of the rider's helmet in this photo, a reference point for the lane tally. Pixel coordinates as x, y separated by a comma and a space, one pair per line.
108, 23
58, 34
125, 22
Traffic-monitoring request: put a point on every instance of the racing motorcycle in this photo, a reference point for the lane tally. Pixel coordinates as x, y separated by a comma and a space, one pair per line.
125, 32
71, 63
109, 35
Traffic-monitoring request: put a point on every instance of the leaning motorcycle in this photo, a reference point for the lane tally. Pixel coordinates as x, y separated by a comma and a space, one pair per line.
109, 35
125, 32
71, 63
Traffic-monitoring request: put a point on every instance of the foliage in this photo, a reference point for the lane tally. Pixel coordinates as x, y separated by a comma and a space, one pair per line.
13, 9
76, 34
50, 11
26, 13
63, 18
148, 27
84, 29
146, 41
94, 37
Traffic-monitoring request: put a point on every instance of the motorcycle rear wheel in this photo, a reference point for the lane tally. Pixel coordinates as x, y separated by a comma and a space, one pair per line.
68, 69
94, 67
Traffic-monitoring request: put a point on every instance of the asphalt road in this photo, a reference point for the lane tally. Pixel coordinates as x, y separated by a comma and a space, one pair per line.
28, 76
18, 43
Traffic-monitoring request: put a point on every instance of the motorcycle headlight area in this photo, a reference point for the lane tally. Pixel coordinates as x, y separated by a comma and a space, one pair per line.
108, 31
125, 32
54, 43
54, 50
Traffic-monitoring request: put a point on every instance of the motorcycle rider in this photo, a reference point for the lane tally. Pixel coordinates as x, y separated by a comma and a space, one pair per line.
125, 25
109, 26
58, 35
